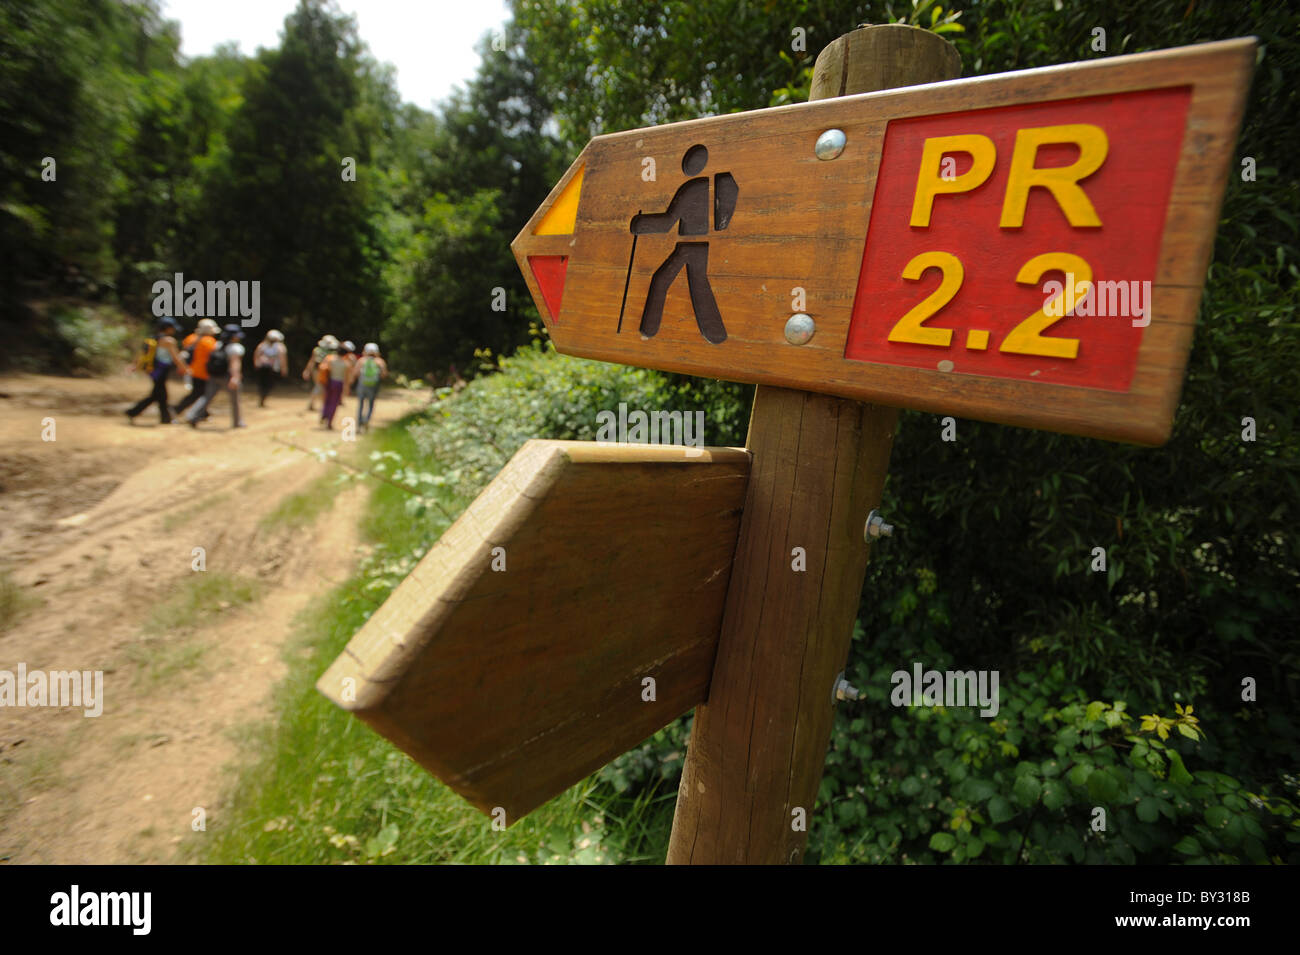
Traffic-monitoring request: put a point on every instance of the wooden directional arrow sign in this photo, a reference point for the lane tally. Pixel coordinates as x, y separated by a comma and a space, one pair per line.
514, 660
1026, 248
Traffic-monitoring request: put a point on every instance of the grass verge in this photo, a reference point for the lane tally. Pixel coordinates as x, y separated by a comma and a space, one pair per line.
322, 787
300, 510
14, 601
168, 645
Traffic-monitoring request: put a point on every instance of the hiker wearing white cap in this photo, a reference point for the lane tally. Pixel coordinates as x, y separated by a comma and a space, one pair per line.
270, 358
225, 372
350, 354
197, 347
324, 348
366, 375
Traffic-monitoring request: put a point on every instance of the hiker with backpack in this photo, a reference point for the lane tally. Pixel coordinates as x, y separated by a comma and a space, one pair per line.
334, 372
196, 348
323, 350
366, 375
159, 356
225, 372
350, 354
270, 358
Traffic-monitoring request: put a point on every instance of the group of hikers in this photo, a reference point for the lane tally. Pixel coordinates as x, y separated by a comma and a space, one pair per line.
211, 359
335, 367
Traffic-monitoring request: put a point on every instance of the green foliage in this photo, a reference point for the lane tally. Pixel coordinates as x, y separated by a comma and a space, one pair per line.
303, 508
471, 178
538, 393
65, 85
69, 338
202, 595
612, 64
933, 784
279, 210
15, 602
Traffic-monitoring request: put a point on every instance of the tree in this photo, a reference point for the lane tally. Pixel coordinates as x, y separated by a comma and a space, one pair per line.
285, 210
480, 170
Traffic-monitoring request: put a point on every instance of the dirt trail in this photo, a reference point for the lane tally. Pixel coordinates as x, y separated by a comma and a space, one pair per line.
100, 526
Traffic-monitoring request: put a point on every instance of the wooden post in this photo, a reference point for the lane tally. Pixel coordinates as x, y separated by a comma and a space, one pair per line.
758, 747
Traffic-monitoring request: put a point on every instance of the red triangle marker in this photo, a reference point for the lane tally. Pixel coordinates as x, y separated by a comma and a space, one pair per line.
549, 270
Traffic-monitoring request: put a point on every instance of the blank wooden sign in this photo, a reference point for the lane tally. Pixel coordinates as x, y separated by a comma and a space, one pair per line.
940, 238
514, 659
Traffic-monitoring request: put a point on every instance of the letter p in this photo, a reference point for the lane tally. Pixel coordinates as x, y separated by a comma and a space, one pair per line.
930, 181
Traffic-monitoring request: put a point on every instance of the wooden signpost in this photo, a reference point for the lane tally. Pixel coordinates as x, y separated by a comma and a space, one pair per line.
897, 247
920, 250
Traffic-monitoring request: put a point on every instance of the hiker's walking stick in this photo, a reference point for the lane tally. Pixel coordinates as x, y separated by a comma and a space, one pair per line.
627, 281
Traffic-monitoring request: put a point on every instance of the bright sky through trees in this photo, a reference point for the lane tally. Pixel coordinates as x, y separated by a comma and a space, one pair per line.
430, 42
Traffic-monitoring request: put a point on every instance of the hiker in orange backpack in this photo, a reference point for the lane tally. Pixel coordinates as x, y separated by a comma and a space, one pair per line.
350, 353
324, 348
160, 356
199, 344
225, 373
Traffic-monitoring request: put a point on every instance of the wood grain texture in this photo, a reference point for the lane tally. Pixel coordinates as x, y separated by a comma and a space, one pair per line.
512, 686
758, 745
802, 222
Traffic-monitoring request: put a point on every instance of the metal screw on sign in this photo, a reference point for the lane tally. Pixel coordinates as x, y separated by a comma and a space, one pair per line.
830, 144
843, 689
876, 527
799, 329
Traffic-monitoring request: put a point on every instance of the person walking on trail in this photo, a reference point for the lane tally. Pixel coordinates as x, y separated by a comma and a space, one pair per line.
225, 372
199, 343
270, 358
161, 355
350, 355
366, 375
335, 369
323, 350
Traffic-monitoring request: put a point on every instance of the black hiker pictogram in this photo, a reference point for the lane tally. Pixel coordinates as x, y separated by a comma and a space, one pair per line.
690, 208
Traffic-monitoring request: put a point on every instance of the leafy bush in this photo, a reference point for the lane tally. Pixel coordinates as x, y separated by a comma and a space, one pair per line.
538, 393
70, 338
1054, 777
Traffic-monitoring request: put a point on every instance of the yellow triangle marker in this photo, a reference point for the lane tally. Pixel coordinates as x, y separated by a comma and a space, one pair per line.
563, 214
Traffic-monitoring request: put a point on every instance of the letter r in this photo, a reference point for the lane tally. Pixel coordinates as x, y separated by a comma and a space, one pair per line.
1061, 181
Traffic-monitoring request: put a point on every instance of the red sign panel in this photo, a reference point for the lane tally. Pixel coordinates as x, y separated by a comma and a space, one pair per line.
976, 214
